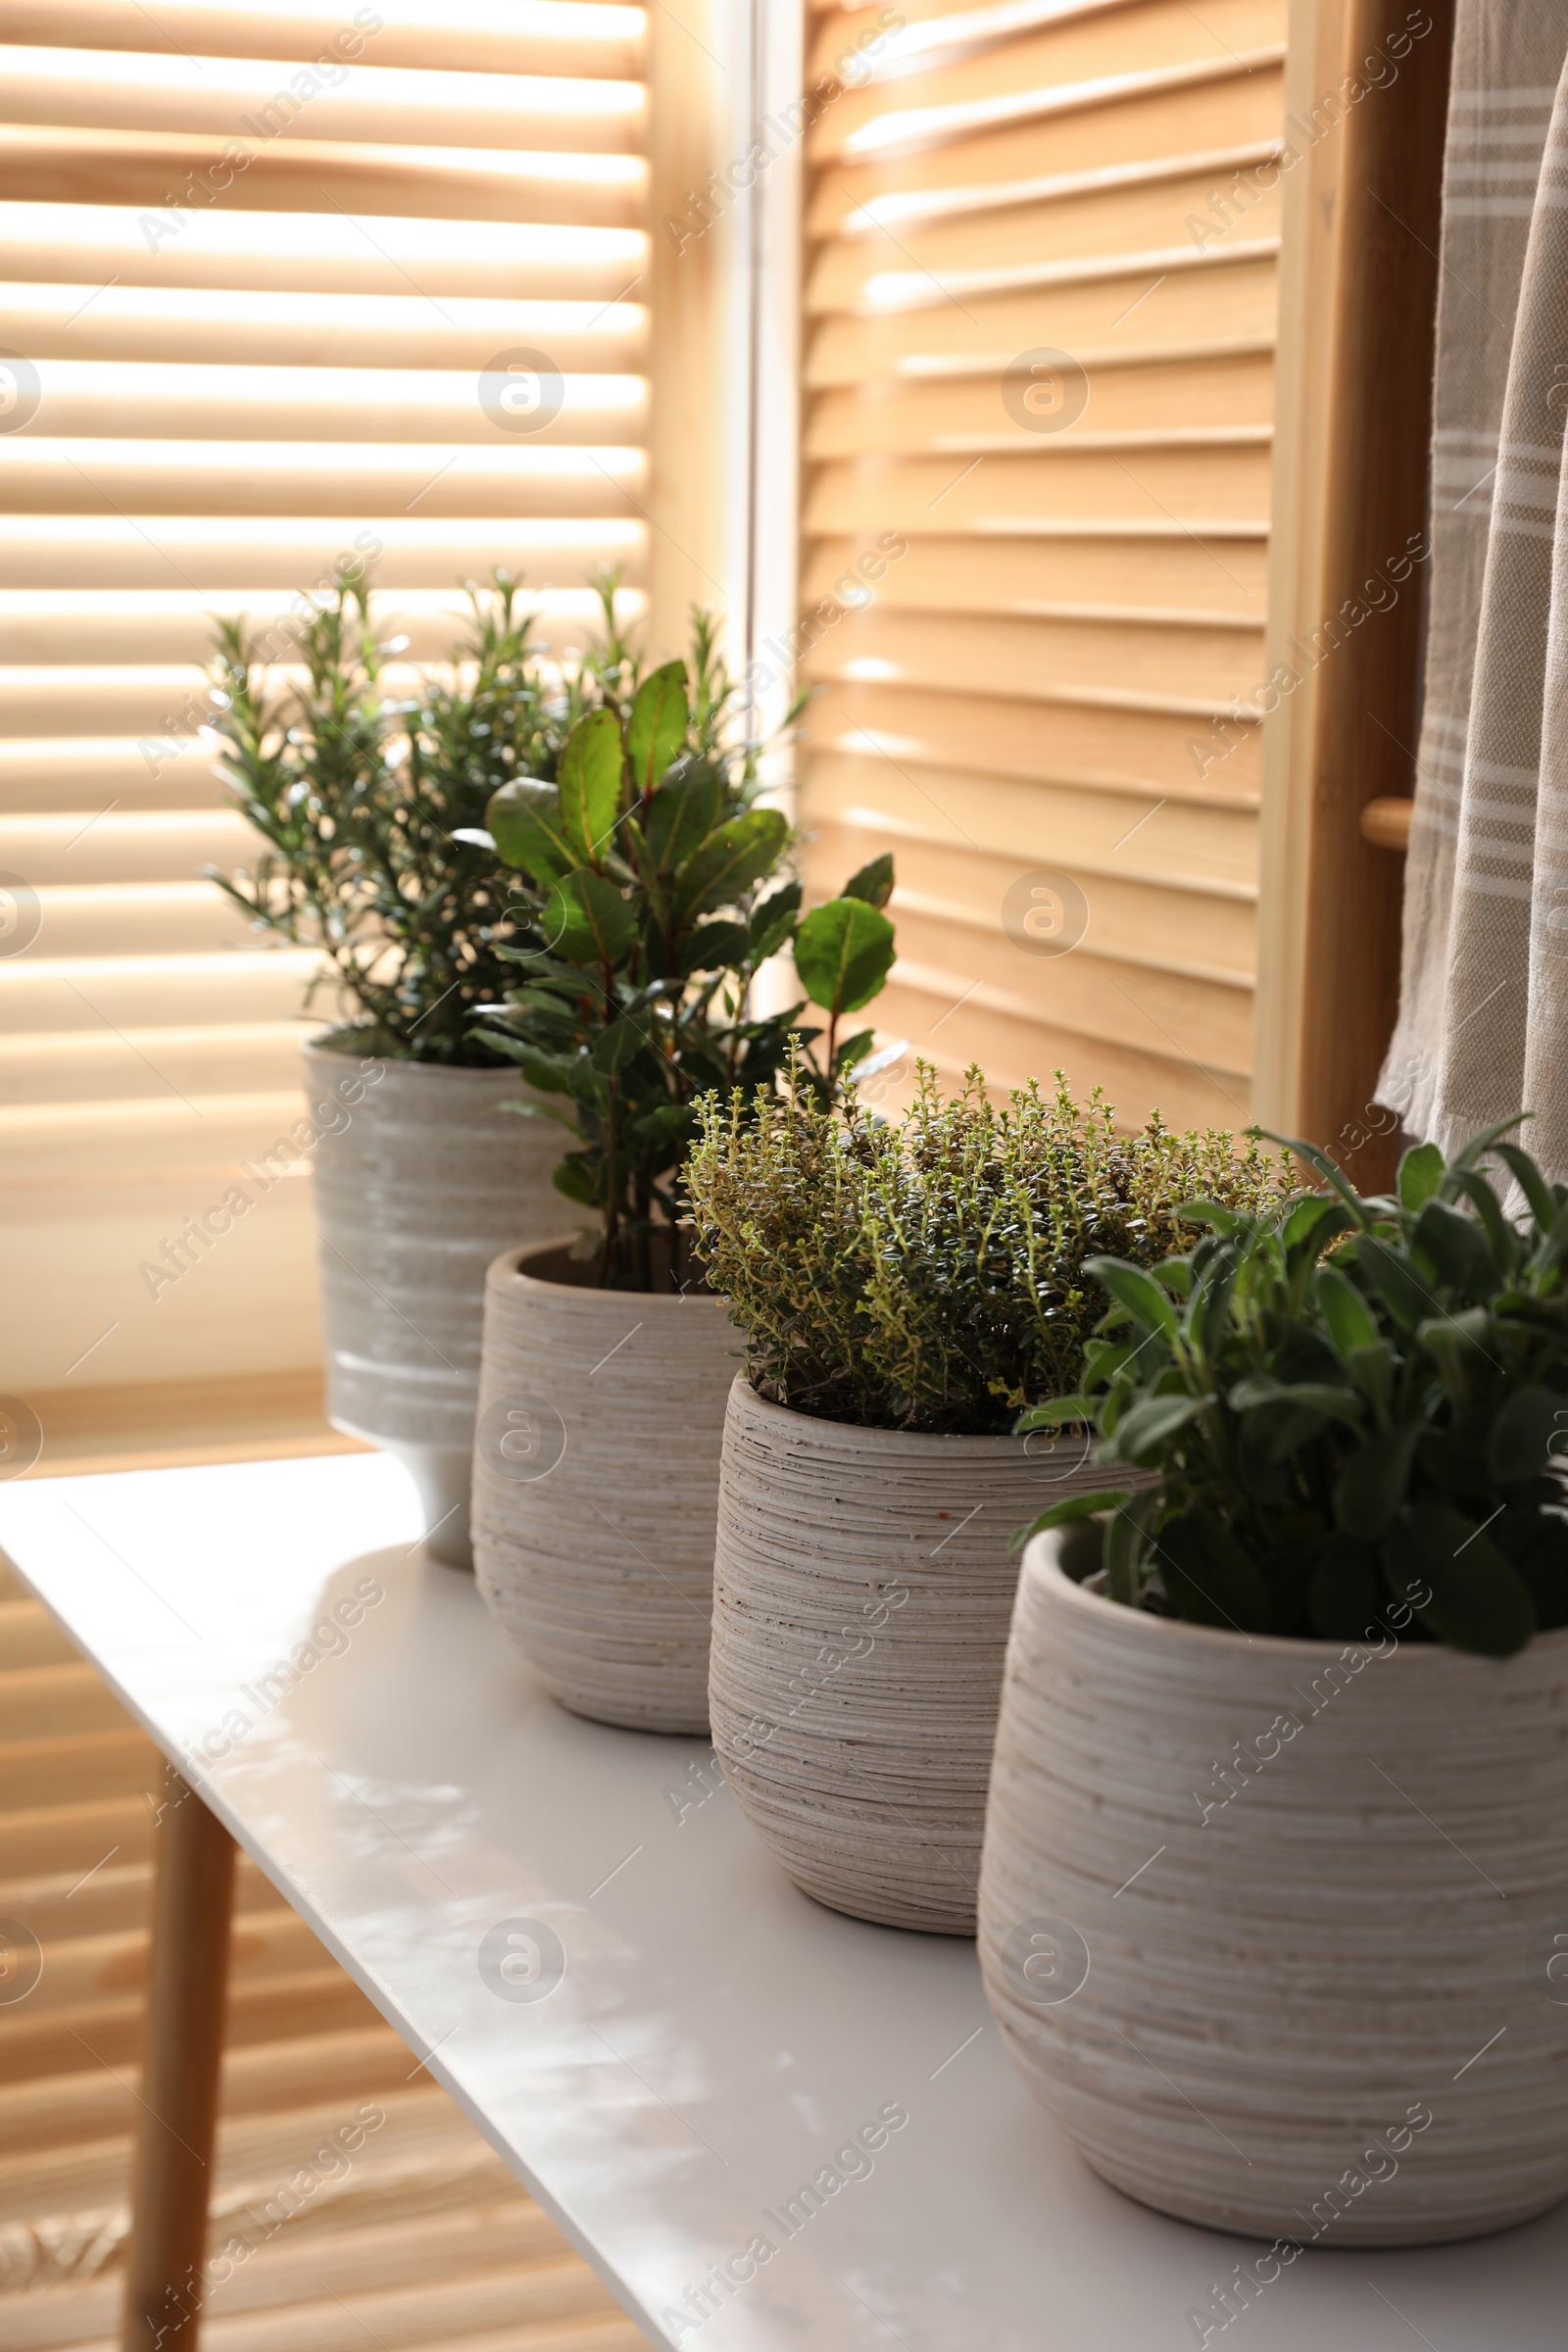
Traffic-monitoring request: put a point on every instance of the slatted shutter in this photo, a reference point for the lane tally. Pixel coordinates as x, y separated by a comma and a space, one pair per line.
257, 257
1040, 320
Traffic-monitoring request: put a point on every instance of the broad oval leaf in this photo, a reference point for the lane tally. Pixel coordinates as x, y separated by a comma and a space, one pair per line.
1403, 1292
843, 953
1456, 1247
1208, 1577
1371, 1488
656, 727
682, 814
589, 781
1136, 1290
730, 861
586, 919
873, 882
1420, 1174
1520, 1444
773, 921
1350, 1321
1149, 1426
525, 819
1450, 1571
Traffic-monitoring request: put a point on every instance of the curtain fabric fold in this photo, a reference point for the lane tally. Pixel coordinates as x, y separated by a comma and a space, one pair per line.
1482, 1024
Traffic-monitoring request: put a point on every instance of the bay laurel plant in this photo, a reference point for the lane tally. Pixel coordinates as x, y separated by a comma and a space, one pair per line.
653, 885
929, 1272
1357, 1405
362, 800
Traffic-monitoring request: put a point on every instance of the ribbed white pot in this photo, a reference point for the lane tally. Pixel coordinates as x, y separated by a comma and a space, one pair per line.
862, 1588
419, 1179
1312, 1988
596, 1485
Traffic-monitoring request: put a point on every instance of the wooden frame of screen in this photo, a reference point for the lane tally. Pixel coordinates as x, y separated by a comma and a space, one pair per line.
1358, 301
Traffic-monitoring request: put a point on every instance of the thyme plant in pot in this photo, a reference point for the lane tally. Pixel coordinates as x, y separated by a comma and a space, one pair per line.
360, 799
658, 889
1272, 1907
903, 1288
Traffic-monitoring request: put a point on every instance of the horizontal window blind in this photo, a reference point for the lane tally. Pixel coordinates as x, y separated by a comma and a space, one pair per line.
257, 258
1038, 406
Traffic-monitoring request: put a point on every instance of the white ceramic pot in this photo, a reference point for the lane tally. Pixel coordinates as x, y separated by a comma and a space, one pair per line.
419, 1179
1311, 1987
862, 1590
596, 1485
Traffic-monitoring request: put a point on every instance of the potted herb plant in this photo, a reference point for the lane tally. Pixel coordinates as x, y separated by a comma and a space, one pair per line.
360, 799
657, 889
1272, 1910
902, 1290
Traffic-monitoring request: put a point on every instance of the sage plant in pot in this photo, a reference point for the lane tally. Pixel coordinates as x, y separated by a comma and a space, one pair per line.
903, 1288
657, 888
361, 798
1272, 1906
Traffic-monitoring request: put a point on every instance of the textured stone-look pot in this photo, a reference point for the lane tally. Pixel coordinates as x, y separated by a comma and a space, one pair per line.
1331, 2009
419, 1178
596, 1485
862, 1590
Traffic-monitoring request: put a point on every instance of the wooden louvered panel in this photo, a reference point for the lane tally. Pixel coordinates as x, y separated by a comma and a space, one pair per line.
1040, 651
142, 168
556, 40
1228, 117
421, 2239
246, 378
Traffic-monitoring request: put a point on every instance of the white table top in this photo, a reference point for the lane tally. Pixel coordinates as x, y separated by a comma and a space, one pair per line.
716, 2037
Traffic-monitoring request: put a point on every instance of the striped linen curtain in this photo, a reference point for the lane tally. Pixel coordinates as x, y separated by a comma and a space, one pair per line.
1483, 1023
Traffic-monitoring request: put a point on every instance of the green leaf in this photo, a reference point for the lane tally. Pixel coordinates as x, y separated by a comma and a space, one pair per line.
1066, 1514
524, 817
1407, 1299
773, 921
1346, 1591
1058, 1412
589, 784
1371, 1486
873, 883
1208, 1577
843, 953
682, 814
1126, 1546
1530, 1182
718, 946
1503, 1238
656, 727
1148, 1425
1350, 1321
1420, 1174
1458, 1583
1519, 1444
730, 861
619, 1043
1327, 1168
1312, 1224
1456, 1247
1137, 1292
1476, 1150
586, 918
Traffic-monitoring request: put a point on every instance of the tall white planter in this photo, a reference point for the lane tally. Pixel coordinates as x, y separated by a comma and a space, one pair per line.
1278, 1931
596, 1485
862, 1590
419, 1182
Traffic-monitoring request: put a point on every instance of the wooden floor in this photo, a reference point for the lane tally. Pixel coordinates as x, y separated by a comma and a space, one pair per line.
419, 2239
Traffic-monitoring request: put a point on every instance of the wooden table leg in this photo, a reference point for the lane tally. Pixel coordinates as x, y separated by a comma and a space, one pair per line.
187, 1993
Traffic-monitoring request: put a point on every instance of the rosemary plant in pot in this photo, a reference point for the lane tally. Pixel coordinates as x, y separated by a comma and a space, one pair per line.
657, 889
1272, 1908
357, 796
902, 1290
